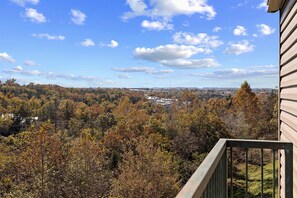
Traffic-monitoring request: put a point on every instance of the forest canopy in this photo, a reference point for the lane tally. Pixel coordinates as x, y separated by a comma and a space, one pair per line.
87, 142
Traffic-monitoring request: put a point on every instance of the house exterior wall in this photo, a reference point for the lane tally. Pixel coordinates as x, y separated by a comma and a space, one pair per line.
288, 85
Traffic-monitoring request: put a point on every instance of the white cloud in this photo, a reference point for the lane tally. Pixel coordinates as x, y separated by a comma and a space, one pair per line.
78, 17
217, 29
140, 69
263, 4
24, 2
266, 66
52, 75
169, 8
113, 44
124, 76
34, 16
6, 57
265, 29
35, 72
164, 71
237, 73
240, 31
18, 68
30, 63
255, 35
87, 43
156, 25
49, 37
191, 64
167, 52
176, 56
239, 48
138, 7
201, 39
21, 71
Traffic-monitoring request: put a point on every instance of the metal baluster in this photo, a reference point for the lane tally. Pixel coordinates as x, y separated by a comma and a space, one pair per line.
289, 172
231, 164
246, 172
262, 173
273, 173
225, 176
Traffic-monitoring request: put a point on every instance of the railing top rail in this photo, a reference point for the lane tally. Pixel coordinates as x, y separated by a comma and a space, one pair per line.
263, 144
199, 180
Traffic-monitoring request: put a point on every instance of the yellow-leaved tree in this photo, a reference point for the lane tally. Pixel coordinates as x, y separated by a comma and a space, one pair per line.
146, 171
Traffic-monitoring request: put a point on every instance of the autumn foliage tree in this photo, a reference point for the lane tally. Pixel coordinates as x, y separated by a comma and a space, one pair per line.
93, 142
246, 102
146, 171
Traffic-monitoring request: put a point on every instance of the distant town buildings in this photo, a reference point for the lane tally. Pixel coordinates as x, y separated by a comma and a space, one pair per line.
161, 101
19, 121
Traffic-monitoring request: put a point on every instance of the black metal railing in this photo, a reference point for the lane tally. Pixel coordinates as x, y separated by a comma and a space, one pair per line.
211, 177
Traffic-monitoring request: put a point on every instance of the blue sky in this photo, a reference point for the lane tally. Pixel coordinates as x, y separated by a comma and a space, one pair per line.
139, 43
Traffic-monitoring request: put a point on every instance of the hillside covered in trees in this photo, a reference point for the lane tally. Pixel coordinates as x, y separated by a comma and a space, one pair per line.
85, 142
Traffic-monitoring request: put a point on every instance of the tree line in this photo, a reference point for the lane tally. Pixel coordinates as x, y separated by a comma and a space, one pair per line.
114, 142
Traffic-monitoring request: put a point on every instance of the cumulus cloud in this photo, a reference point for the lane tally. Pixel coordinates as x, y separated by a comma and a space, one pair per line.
240, 31
113, 44
18, 68
263, 5
237, 73
239, 48
191, 64
167, 52
217, 29
34, 16
78, 17
168, 9
138, 8
25, 2
30, 63
156, 25
265, 29
87, 43
177, 56
140, 69
34, 72
6, 57
49, 37
201, 39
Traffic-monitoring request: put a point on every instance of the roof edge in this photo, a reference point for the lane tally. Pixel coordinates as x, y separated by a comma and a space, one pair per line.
274, 5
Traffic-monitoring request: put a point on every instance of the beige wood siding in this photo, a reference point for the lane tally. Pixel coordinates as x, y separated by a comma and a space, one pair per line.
288, 85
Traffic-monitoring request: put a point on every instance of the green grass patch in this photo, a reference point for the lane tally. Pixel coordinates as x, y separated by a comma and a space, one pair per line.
254, 180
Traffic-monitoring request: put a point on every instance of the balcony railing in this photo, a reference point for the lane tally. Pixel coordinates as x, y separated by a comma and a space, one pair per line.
213, 180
